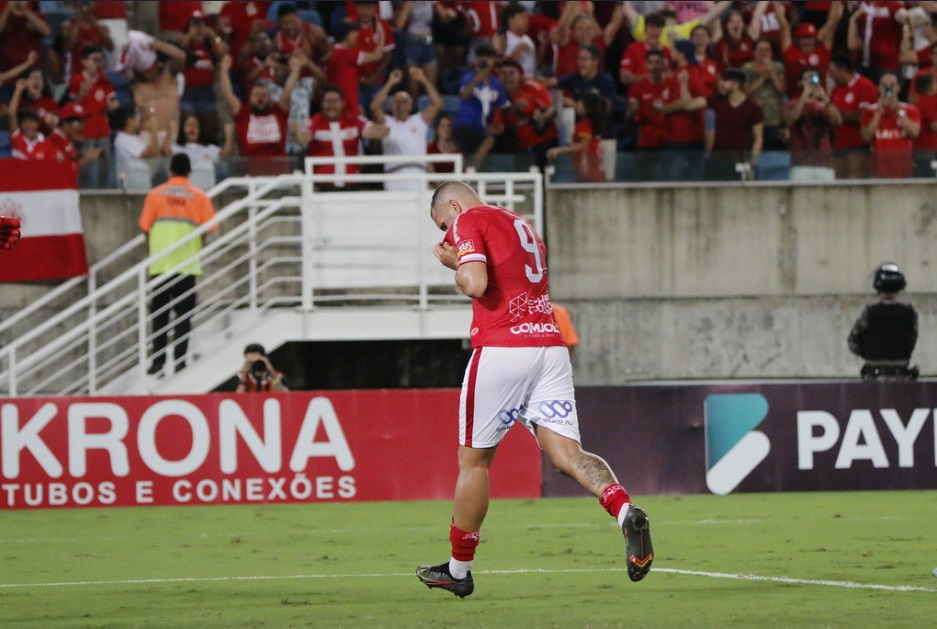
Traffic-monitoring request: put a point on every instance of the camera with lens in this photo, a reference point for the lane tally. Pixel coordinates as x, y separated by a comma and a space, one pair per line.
259, 371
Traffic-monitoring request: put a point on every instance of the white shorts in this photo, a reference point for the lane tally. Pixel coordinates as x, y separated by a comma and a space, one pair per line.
504, 385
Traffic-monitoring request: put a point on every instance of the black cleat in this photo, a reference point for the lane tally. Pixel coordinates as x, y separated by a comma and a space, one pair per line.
637, 532
439, 577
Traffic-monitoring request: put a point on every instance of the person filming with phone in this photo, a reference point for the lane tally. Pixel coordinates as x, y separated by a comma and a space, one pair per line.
891, 126
808, 119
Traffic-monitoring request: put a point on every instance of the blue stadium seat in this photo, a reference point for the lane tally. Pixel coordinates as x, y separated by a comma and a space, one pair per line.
5, 150
451, 104
774, 166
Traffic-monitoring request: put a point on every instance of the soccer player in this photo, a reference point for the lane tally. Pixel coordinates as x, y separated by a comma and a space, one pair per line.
519, 372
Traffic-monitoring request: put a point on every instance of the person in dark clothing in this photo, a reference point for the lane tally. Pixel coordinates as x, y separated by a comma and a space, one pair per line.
886, 331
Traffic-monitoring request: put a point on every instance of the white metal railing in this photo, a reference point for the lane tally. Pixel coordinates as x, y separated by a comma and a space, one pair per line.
283, 245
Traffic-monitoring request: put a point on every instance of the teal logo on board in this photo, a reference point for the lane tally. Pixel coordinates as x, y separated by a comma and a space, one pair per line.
733, 447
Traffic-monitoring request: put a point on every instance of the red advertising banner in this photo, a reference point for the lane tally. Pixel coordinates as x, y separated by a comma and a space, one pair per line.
238, 449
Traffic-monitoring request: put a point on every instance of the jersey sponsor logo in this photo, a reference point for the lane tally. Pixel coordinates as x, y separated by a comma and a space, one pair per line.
466, 247
535, 328
890, 134
517, 306
540, 304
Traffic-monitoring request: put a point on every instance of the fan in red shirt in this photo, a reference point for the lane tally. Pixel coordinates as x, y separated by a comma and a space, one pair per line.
84, 30
891, 126
337, 132
527, 122
239, 21
925, 147
95, 92
685, 129
850, 96
709, 68
586, 147
67, 138
633, 66
295, 37
21, 31
27, 142
735, 47
646, 100
344, 61
875, 34
576, 28
927, 67
374, 35
261, 123
482, 20
808, 48
765, 21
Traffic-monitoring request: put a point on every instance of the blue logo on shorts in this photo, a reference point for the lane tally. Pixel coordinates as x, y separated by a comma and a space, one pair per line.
733, 447
509, 416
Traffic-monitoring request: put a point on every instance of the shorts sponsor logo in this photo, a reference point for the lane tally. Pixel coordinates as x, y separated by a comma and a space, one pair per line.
534, 328
556, 411
507, 417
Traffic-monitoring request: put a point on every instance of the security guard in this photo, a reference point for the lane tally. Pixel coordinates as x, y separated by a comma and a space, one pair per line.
886, 331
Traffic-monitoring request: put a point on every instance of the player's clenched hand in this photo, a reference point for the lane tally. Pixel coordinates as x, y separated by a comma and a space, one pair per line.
447, 254
9, 232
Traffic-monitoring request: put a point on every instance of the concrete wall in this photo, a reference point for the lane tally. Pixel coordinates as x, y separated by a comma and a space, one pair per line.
725, 281
698, 282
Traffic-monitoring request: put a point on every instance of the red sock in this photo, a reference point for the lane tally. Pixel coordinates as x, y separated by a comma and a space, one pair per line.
614, 498
463, 543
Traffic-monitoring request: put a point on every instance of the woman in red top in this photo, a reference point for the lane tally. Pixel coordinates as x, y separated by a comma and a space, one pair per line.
442, 144
591, 111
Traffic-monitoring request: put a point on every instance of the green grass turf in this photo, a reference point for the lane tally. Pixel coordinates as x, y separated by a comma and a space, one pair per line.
197, 565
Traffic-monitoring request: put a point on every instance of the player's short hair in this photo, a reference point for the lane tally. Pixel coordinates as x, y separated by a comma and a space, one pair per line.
445, 187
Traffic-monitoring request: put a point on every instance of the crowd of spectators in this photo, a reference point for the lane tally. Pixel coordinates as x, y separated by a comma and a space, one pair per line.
662, 90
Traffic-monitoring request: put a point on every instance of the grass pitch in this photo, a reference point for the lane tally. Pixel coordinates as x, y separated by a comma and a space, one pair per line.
758, 560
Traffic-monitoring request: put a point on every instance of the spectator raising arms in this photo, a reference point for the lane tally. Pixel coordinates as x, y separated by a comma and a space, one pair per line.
21, 33
336, 132
406, 132
591, 112
261, 123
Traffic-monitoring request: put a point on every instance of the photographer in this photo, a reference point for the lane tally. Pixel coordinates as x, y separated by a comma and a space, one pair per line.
891, 127
258, 373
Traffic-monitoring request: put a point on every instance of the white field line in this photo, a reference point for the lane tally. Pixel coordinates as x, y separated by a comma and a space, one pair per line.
301, 577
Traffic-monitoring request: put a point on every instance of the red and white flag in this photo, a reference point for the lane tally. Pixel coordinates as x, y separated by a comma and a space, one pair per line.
43, 195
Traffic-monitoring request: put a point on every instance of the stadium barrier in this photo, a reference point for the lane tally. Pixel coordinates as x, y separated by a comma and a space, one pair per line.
340, 446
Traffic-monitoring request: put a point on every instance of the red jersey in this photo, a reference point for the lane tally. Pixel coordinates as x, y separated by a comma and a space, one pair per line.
336, 138
734, 54
482, 17
241, 16
891, 147
634, 59
85, 35
796, 61
851, 98
200, 64
652, 123
588, 164
770, 25
95, 103
686, 127
881, 35
23, 148
366, 43
64, 146
173, 16
342, 71
912, 91
261, 135
44, 106
530, 96
927, 105
440, 167
709, 71
515, 310
564, 57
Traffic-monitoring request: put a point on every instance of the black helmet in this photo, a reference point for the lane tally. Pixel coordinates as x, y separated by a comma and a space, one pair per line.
888, 278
